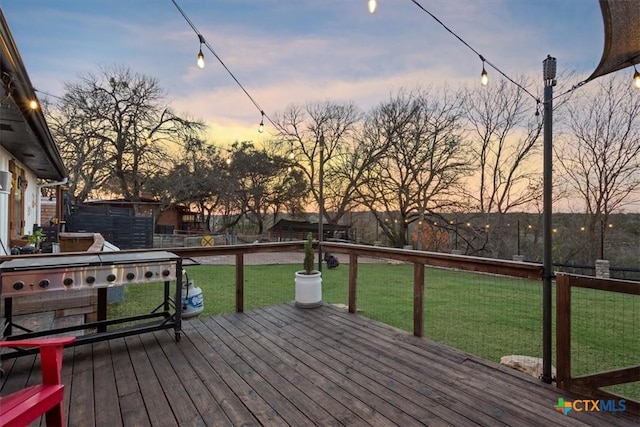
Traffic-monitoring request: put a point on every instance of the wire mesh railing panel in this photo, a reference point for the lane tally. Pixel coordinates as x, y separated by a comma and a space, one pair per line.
217, 283
487, 315
605, 335
385, 293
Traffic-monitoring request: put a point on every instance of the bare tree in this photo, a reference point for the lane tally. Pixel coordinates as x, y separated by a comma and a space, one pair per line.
290, 187
349, 171
301, 131
82, 150
198, 177
505, 138
121, 118
424, 161
600, 154
263, 182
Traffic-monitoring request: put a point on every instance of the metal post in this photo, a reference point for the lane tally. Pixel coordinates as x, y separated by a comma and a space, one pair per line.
320, 202
377, 230
549, 75
601, 238
420, 226
518, 237
456, 236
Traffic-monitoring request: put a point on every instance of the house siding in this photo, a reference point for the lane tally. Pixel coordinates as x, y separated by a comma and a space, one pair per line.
29, 205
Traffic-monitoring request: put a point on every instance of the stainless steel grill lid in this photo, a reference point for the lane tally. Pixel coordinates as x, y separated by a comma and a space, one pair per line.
98, 259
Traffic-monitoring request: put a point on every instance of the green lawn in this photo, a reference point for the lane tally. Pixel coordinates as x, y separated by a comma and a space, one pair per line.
489, 316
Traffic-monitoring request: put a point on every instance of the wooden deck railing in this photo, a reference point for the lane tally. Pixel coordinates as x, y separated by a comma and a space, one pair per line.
239, 251
418, 258
589, 385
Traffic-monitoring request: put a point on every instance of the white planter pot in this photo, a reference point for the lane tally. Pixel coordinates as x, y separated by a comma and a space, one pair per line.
308, 289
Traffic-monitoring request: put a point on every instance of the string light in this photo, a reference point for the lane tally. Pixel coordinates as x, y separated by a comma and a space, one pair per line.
636, 79
484, 77
261, 126
213, 52
48, 94
200, 60
292, 155
372, 4
7, 81
435, 18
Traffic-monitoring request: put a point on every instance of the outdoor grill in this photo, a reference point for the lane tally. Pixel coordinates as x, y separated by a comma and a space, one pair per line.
68, 273
29, 275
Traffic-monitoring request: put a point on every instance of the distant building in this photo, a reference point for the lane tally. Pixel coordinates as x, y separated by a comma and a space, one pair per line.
286, 229
168, 219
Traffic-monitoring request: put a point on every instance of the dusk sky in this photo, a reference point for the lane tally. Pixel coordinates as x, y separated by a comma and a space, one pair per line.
298, 51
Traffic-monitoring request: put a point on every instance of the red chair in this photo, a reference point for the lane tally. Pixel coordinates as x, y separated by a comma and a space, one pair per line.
25, 406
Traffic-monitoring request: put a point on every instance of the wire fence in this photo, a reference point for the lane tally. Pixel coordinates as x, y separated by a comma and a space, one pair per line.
487, 315
605, 335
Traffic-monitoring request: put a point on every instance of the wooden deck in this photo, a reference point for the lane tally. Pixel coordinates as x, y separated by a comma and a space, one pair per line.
282, 366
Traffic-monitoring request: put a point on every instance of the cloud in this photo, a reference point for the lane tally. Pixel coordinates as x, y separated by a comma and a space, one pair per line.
285, 53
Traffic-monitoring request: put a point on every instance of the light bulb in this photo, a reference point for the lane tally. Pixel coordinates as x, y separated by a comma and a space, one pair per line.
636, 79
261, 126
484, 77
33, 104
200, 60
373, 4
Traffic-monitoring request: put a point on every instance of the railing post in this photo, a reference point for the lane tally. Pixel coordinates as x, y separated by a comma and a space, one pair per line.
353, 281
239, 283
418, 299
563, 331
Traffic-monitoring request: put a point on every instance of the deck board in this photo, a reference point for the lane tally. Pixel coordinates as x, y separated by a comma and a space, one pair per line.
387, 401
106, 390
283, 365
439, 380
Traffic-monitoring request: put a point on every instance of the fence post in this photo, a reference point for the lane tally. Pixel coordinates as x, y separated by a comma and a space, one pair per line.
563, 331
418, 299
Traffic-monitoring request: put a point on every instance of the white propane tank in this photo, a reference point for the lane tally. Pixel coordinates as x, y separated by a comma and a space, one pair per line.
192, 300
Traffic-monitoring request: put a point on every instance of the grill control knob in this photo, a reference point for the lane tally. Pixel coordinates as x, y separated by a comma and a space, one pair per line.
18, 286
91, 280
131, 276
148, 274
111, 278
44, 283
68, 281
165, 273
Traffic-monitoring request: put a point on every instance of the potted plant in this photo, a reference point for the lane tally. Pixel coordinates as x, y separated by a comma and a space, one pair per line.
36, 239
308, 282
